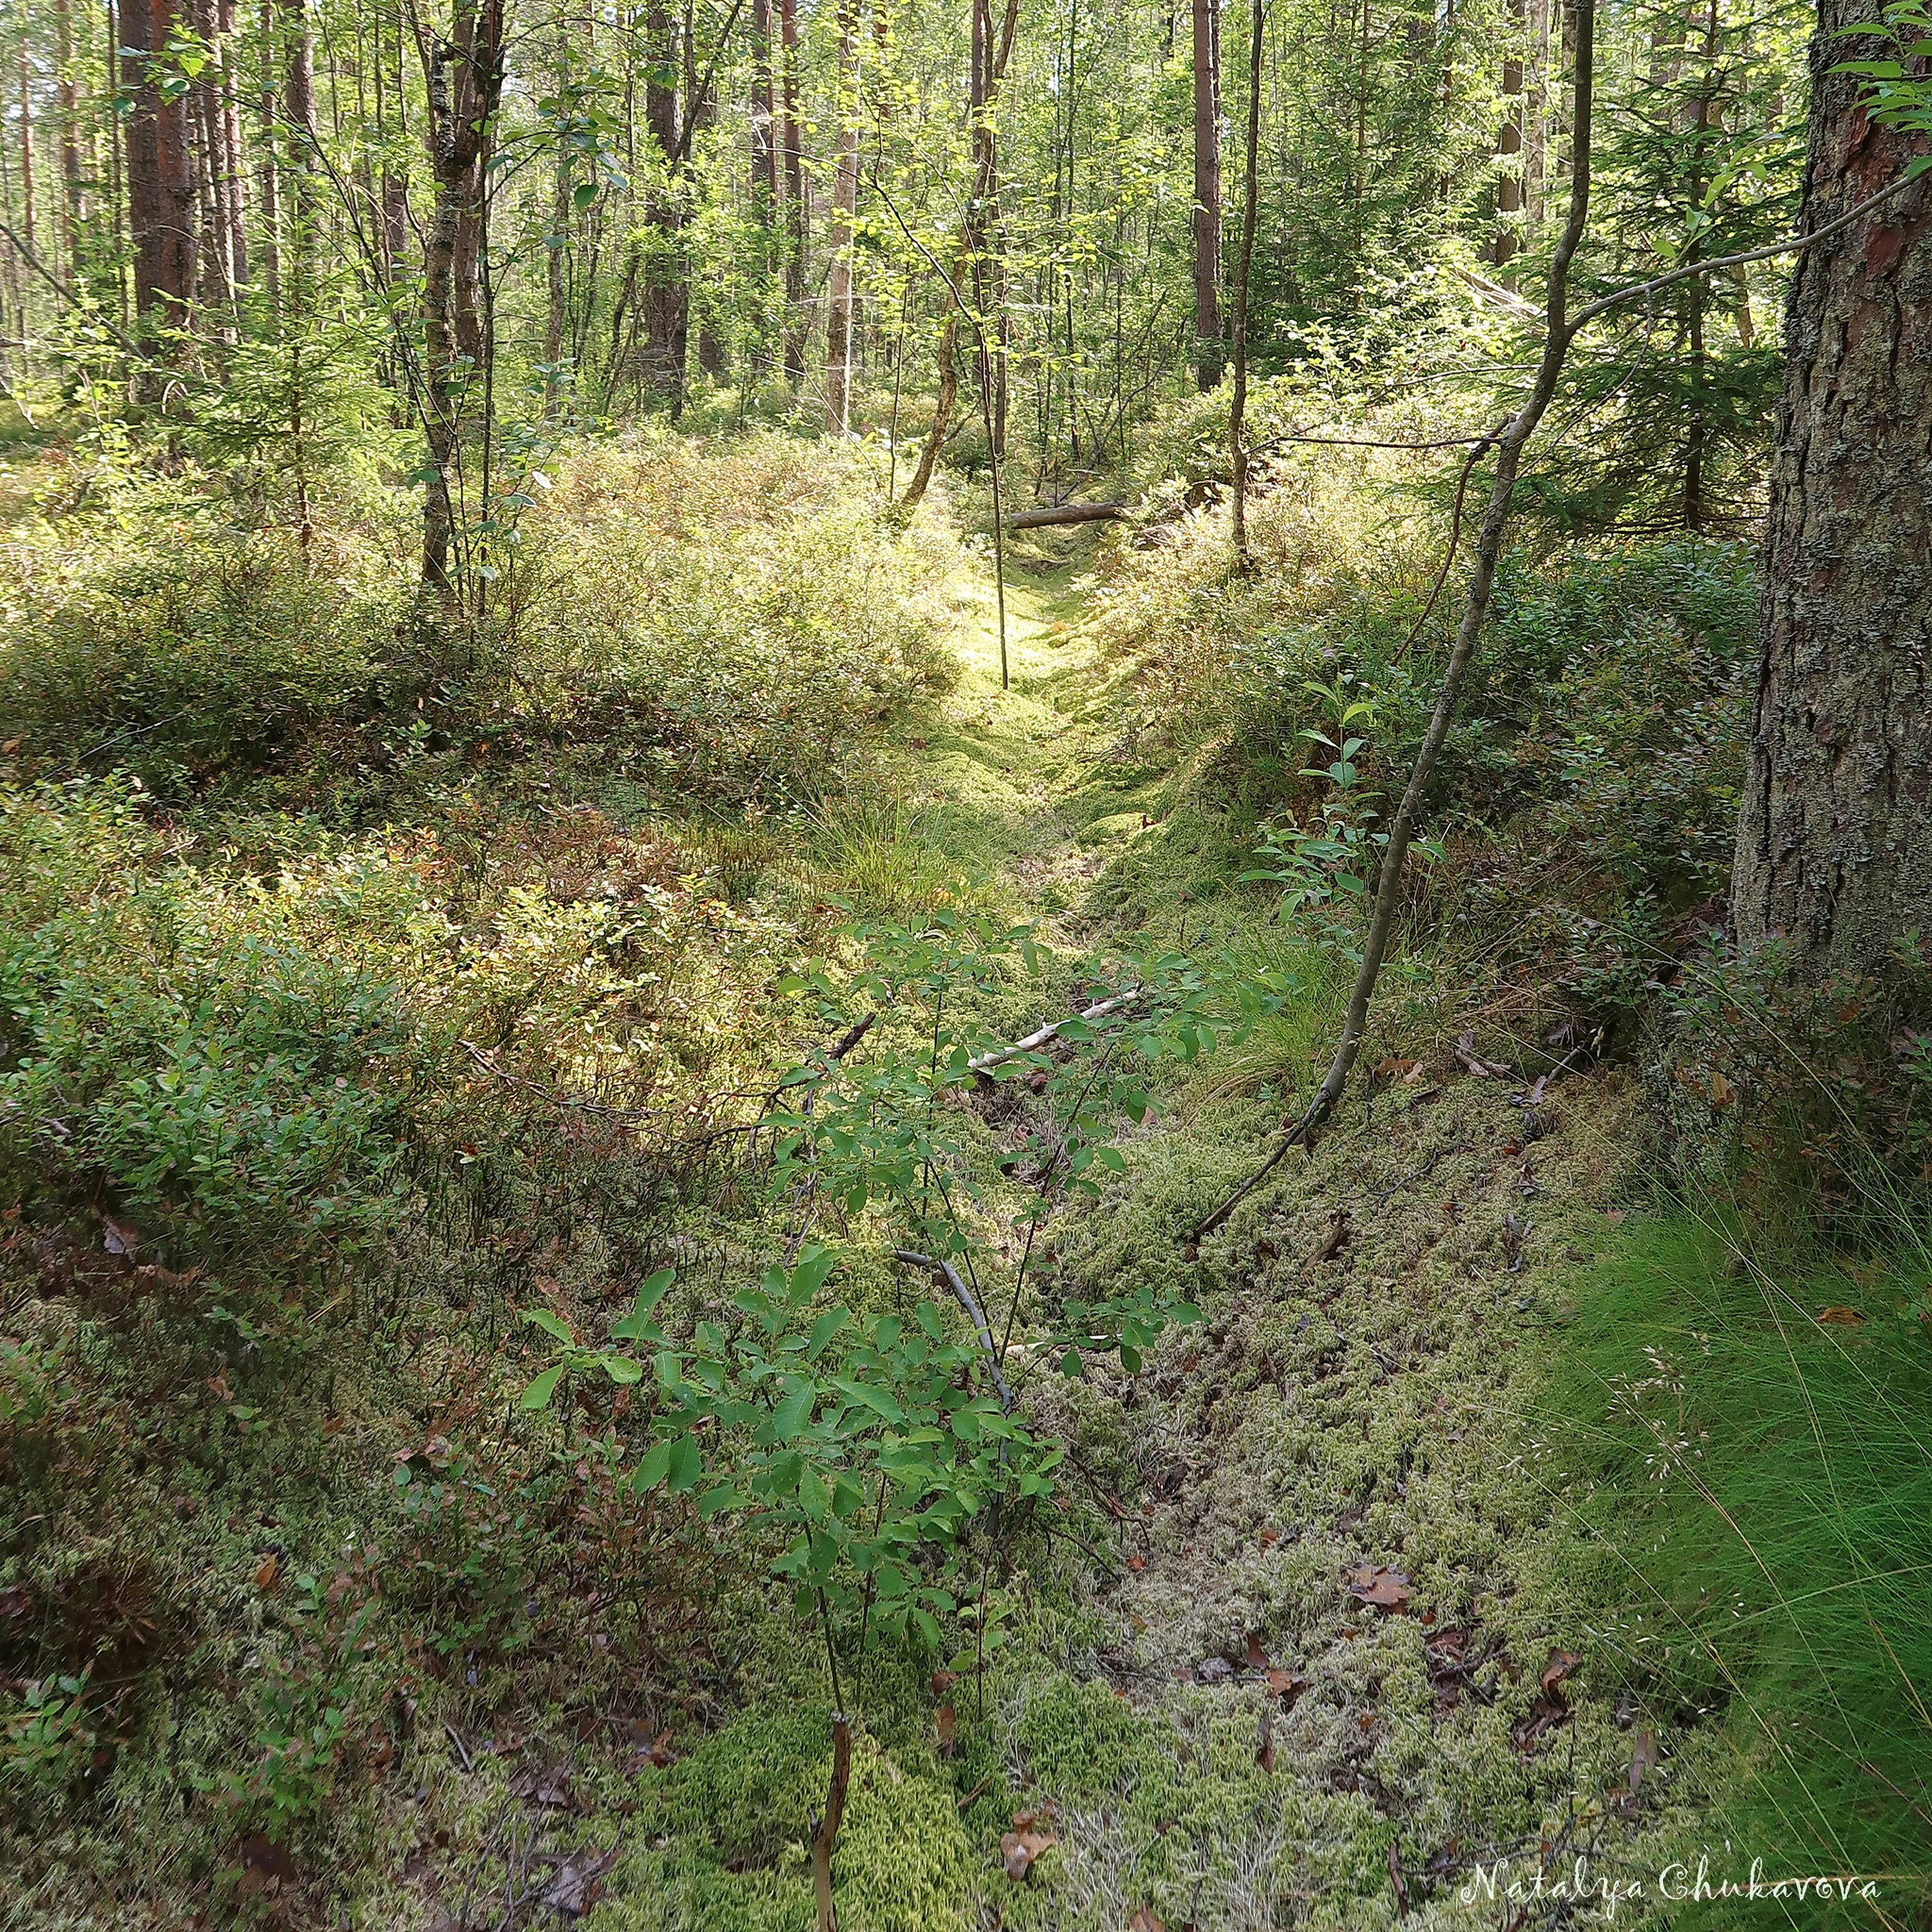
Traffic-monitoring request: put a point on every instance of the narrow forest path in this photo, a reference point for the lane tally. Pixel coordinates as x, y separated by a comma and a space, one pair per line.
1341, 1654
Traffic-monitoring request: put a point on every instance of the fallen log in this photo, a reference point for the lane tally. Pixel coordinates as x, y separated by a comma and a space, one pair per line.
1065, 513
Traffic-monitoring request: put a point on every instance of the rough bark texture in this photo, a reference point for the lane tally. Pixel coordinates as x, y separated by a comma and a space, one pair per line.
1835, 838
160, 189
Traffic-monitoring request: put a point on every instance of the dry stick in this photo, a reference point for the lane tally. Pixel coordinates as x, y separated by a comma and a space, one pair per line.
1488, 552
1041, 1036
975, 1313
1561, 332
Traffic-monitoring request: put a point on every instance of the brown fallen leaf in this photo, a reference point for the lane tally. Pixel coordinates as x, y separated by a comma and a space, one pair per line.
1146, 1920
661, 1754
1288, 1684
1373, 1583
1019, 1850
947, 1722
117, 1237
578, 1881
1337, 1239
268, 1571
1257, 1657
1643, 1759
1268, 1537
547, 1785
1842, 1317
1722, 1091
264, 1863
1559, 1665
944, 1681
1136, 1561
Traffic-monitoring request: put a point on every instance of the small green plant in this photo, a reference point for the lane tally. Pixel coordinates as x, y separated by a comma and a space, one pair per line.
48, 1741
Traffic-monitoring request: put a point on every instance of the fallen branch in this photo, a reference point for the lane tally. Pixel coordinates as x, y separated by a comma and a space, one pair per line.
1035, 1041
1065, 513
975, 1313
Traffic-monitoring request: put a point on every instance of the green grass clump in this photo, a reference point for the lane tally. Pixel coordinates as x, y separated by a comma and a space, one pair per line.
1760, 1480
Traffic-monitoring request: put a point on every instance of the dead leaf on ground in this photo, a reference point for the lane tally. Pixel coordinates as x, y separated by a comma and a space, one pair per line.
1374, 1583
117, 1237
1214, 1670
1722, 1091
1841, 1317
1136, 1561
1288, 1684
268, 1571
264, 1863
1257, 1656
1643, 1759
944, 1681
542, 1784
1019, 1850
1559, 1665
579, 1880
948, 1723
1337, 1239
1146, 1920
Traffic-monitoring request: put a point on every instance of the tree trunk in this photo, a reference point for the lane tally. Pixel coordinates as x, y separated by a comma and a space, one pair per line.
268, 176
160, 189
1507, 238
797, 321
1244, 262
72, 194
465, 85
844, 205
299, 131
666, 275
1207, 193
1835, 838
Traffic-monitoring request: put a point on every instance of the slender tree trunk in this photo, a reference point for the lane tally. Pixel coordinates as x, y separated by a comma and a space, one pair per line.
1238, 411
268, 170
845, 206
797, 222
299, 143
72, 191
1208, 348
1509, 238
1835, 838
465, 87
233, 172
665, 272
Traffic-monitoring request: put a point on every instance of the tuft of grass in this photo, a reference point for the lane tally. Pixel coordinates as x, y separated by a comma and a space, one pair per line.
1749, 1442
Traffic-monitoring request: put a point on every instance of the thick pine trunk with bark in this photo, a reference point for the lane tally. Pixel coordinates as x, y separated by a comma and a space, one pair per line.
1835, 838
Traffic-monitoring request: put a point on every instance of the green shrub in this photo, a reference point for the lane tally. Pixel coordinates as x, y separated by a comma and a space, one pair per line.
744, 621
188, 662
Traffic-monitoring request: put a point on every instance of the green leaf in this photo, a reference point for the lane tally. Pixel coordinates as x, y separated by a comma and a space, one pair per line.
586, 194
686, 1466
791, 1418
815, 1498
653, 1469
543, 1319
621, 1369
539, 1392
823, 1330
809, 1276
637, 1325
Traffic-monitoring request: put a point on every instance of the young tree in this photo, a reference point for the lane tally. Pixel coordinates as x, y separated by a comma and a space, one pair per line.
1207, 193
1835, 839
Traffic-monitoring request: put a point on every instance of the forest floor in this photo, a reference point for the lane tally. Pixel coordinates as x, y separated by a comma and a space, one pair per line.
1341, 1655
